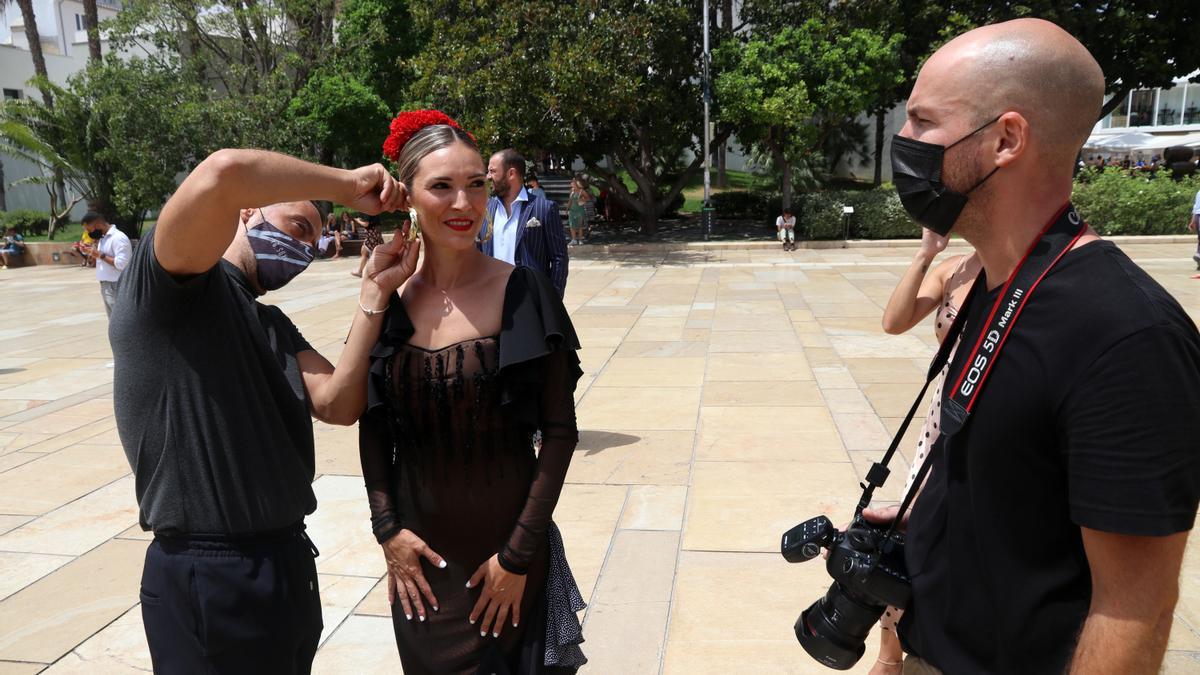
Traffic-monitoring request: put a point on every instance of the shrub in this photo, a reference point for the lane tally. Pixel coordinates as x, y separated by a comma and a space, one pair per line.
27, 221
743, 204
878, 214
1115, 202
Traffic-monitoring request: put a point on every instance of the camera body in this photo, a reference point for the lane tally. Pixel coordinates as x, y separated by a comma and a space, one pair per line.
869, 574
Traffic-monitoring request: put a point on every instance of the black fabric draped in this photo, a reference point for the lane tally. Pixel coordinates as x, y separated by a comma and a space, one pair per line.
446, 446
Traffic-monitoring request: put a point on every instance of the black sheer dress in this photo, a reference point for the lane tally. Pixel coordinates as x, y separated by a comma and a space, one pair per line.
447, 452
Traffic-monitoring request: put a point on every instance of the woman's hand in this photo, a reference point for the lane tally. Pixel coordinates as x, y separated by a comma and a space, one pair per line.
406, 580
891, 654
932, 243
889, 668
500, 596
886, 515
392, 263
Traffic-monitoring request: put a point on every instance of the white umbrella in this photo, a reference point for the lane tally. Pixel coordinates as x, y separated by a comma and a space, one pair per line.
1161, 142
1127, 141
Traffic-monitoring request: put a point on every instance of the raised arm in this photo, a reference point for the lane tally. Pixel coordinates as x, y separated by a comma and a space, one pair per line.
198, 222
918, 293
339, 395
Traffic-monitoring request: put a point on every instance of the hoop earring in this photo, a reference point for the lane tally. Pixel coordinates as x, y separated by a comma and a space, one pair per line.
487, 225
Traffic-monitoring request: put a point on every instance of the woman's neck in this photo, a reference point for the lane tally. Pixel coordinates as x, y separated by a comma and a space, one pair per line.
447, 269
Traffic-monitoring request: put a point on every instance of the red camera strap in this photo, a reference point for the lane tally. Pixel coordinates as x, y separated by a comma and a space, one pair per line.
1058, 237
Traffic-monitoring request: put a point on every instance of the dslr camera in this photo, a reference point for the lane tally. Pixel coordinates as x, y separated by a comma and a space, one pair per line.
866, 562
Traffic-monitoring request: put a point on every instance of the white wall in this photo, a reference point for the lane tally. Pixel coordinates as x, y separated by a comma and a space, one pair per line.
16, 69
893, 123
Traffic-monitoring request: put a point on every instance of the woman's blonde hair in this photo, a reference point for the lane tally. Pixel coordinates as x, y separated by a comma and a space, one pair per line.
430, 139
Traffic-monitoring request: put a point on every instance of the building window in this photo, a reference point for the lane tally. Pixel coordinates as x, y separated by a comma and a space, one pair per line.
12, 94
78, 22
1120, 114
1141, 108
1191, 106
1170, 106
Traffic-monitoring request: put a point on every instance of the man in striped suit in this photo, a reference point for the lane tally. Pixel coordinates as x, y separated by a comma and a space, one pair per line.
526, 228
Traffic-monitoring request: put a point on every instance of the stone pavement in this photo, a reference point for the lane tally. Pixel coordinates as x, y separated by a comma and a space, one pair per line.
729, 394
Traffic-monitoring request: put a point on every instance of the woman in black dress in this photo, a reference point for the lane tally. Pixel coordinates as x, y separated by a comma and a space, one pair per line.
475, 356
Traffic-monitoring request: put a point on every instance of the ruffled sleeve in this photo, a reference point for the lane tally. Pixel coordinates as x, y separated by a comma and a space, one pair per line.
538, 373
376, 443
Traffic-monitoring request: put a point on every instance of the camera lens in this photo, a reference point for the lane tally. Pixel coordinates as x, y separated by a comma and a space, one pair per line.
834, 629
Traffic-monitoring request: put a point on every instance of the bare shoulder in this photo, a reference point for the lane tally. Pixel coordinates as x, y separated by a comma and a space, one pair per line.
496, 272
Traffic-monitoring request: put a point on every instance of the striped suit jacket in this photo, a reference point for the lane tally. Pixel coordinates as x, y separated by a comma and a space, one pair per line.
543, 248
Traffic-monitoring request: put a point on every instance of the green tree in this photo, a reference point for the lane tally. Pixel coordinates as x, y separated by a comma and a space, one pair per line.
1140, 44
789, 93
376, 42
615, 84
252, 57
338, 120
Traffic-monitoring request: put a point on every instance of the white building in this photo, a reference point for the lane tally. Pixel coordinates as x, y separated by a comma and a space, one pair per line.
61, 24
1149, 120
63, 31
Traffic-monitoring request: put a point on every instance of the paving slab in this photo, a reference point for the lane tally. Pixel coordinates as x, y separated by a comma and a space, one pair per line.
729, 393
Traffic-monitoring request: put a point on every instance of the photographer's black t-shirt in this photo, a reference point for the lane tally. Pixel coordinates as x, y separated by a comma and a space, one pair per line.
1089, 419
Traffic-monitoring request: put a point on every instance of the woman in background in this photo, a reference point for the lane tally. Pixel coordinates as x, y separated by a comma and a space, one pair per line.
577, 218
922, 292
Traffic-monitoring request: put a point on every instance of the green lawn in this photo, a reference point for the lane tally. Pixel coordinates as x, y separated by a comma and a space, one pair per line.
693, 194
70, 232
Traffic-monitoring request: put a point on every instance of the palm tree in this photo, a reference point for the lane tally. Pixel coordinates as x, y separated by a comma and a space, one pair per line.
34, 38
92, 16
35, 47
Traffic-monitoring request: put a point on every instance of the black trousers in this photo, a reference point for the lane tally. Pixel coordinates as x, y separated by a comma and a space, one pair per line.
222, 606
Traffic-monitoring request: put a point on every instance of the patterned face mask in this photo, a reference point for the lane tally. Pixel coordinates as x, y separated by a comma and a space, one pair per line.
280, 256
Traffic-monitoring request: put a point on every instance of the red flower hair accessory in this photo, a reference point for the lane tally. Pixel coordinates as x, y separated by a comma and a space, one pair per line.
407, 124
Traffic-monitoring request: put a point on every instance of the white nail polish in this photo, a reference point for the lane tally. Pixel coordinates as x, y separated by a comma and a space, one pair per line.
496, 634
482, 633
408, 616
442, 564
472, 621
422, 618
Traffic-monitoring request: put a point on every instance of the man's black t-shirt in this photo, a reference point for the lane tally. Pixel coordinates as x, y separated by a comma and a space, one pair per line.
1088, 419
209, 401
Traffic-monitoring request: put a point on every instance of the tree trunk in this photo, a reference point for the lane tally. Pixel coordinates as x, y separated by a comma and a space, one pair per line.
785, 168
35, 47
92, 17
34, 38
647, 222
726, 31
3, 190
879, 126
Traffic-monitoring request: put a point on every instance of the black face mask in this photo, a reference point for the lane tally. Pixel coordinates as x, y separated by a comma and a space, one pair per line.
95, 234
917, 173
280, 256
